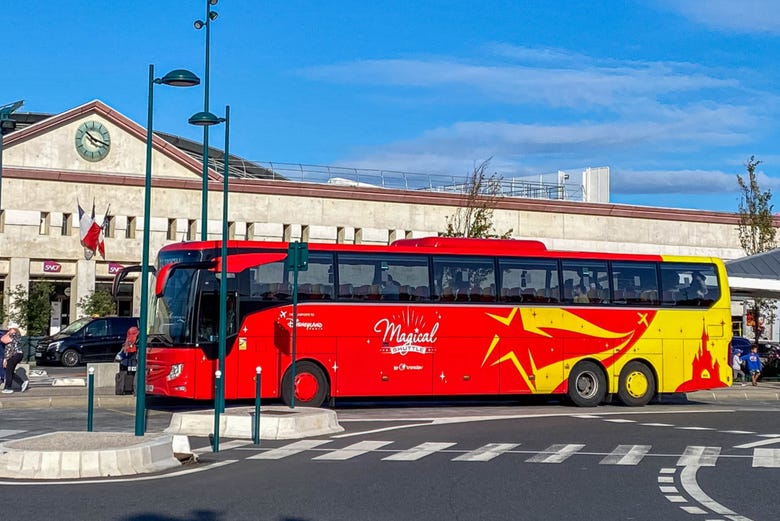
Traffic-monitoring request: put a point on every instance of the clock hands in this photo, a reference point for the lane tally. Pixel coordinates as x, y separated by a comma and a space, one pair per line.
95, 141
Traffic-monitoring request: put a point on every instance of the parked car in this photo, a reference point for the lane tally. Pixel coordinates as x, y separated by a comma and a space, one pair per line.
87, 339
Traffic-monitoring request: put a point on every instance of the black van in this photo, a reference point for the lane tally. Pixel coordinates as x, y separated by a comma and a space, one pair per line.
87, 339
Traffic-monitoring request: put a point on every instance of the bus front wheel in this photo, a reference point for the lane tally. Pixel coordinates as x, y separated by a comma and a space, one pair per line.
311, 386
587, 385
637, 384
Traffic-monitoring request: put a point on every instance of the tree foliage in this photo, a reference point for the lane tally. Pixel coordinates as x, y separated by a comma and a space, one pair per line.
32, 311
756, 235
98, 304
475, 217
756, 228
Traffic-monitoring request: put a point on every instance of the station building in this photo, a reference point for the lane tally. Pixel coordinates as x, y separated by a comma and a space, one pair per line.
94, 155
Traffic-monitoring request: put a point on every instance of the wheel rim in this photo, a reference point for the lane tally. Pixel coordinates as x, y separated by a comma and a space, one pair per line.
587, 384
306, 387
636, 384
70, 358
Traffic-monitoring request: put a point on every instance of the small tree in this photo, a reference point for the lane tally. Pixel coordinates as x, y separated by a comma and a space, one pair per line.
31, 310
98, 303
756, 235
475, 217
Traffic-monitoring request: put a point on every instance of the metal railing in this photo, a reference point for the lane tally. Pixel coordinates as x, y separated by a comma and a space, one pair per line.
536, 188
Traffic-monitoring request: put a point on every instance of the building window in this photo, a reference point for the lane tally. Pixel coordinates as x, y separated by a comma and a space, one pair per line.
131, 226
43, 228
67, 224
192, 229
171, 229
109, 229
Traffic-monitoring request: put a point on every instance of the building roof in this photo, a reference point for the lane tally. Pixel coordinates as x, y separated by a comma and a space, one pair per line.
755, 275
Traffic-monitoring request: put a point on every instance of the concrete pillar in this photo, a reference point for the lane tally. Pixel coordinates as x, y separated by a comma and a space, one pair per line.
18, 274
81, 285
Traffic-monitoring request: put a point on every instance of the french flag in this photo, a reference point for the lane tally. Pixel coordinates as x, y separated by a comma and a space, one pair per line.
90, 233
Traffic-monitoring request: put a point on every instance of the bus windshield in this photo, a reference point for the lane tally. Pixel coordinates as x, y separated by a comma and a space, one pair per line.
176, 309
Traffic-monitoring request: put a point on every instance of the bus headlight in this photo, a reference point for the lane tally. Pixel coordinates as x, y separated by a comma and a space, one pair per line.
175, 371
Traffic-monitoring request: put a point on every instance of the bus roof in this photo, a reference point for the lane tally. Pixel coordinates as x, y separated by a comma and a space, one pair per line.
435, 245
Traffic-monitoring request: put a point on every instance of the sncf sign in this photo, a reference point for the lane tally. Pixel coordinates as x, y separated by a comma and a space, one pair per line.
51, 267
114, 268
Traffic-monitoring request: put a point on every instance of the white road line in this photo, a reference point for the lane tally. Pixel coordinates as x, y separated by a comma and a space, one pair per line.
669, 490
189, 470
232, 444
418, 452
555, 453
5, 433
698, 456
695, 428
737, 432
626, 455
665, 479
677, 499
761, 443
487, 452
657, 424
668, 470
586, 416
290, 449
766, 458
356, 449
384, 429
694, 510
619, 420
688, 480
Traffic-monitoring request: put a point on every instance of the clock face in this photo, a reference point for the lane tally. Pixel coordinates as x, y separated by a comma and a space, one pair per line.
93, 141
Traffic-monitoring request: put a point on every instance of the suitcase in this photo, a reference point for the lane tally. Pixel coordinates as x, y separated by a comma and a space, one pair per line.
124, 382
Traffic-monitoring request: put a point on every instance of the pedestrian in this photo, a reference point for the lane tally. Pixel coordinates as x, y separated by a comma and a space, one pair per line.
2, 357
753, 363
13, 355
736, 365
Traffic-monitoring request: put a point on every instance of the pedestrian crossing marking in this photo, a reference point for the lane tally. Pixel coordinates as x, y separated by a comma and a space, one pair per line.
418, 452
555, 453
487, 452
697, 456
356, 449
290, 449
626, 455
692, 456
766, 457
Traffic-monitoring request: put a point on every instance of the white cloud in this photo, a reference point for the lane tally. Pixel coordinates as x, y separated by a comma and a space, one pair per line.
581, 85
741, 16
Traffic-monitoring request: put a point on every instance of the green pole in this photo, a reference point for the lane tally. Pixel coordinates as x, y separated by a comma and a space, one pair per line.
90, 397
223, 271
295, 259
140, 395
256, 432
217, 385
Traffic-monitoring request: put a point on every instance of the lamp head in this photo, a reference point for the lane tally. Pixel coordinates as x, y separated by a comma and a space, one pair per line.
213, 15
179, 78
213, 2
199, 24
205, 119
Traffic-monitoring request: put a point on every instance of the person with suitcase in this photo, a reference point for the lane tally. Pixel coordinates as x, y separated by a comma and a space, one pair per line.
128, 361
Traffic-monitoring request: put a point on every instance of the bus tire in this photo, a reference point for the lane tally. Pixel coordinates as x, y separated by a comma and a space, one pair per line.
587, 385
637, 384
311, 385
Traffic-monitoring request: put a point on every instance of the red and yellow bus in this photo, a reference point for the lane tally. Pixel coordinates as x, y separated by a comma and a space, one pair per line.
438, 317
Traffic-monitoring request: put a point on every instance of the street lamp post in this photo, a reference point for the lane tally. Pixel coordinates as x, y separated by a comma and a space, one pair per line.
6, 125
206, 119
199, 24
176, 78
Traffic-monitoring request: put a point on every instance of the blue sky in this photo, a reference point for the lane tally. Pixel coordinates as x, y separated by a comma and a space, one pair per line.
673, 95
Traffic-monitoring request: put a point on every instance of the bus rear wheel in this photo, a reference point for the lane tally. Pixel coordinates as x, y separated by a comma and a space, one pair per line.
637, 384
311, 385
587, 385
